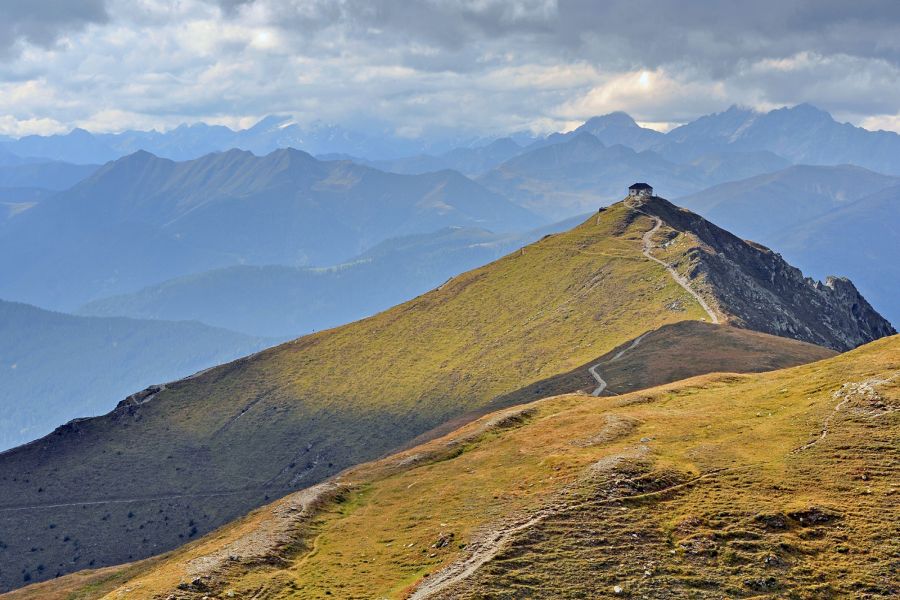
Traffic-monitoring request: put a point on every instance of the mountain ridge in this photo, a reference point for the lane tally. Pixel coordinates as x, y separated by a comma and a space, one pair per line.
207, 449
143, 219
843, 317
822, 219
801, 133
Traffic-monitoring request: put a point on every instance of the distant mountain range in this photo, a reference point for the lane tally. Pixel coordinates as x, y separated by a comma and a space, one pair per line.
154, 220
187, 142
56, 367
578, 171
142, 219
802, 134
282, 301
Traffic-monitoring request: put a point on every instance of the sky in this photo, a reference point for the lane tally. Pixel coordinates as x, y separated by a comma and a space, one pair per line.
416, 67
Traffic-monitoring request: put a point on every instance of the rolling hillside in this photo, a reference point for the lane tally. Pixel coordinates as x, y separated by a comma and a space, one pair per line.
56, 367
141, 220
778, 484
173, 462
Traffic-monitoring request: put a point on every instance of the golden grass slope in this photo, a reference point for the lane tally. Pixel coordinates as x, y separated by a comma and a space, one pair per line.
209, 448
780, 484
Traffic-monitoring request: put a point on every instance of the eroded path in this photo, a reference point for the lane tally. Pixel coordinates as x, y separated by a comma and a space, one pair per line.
647, 246
483, 551
679, 279
601, 383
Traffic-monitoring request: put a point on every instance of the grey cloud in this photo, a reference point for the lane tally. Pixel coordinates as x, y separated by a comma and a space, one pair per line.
461, 64
43, 21
614, 32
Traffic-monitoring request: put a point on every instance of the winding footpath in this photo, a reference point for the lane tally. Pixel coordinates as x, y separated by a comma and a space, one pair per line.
679, 279
647, 244
601, 383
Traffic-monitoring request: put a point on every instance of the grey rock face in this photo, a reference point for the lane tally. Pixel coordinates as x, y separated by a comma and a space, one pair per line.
757, 289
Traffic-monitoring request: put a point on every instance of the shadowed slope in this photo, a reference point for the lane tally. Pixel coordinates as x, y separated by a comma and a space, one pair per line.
675, 352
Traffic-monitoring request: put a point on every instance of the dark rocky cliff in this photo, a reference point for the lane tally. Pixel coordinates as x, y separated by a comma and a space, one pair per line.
756, 288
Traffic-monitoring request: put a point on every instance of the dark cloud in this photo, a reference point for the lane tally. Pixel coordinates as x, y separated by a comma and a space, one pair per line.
41, 22
230, 7
615, 32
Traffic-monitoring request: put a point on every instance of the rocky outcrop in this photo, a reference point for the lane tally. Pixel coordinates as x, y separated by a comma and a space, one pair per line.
755, 288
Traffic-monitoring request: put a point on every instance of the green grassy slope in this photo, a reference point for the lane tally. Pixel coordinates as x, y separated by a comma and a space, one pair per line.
167, 466
780, 484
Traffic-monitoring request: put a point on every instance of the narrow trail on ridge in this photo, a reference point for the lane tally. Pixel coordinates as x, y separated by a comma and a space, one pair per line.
647, 241
647, 245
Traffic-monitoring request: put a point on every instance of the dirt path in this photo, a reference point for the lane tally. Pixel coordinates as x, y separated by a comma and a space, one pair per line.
488, 548
647, 244
601, 383
679, 279
849, 391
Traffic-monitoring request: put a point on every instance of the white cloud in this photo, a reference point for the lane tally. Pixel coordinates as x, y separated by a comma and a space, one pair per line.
14, 127
462, 65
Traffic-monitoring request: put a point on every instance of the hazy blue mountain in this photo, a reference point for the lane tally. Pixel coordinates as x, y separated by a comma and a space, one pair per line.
799, 134
620, 128
287, 301
580, 174
55, 367
758, 206
728, 166
860, 240
802, 134
471, 161
185, 142
46, 175
142, 219
78, 146
188, 142
840, 220
15, 201
8, 159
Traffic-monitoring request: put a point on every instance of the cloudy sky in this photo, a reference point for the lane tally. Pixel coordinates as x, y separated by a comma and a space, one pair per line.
420, 66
